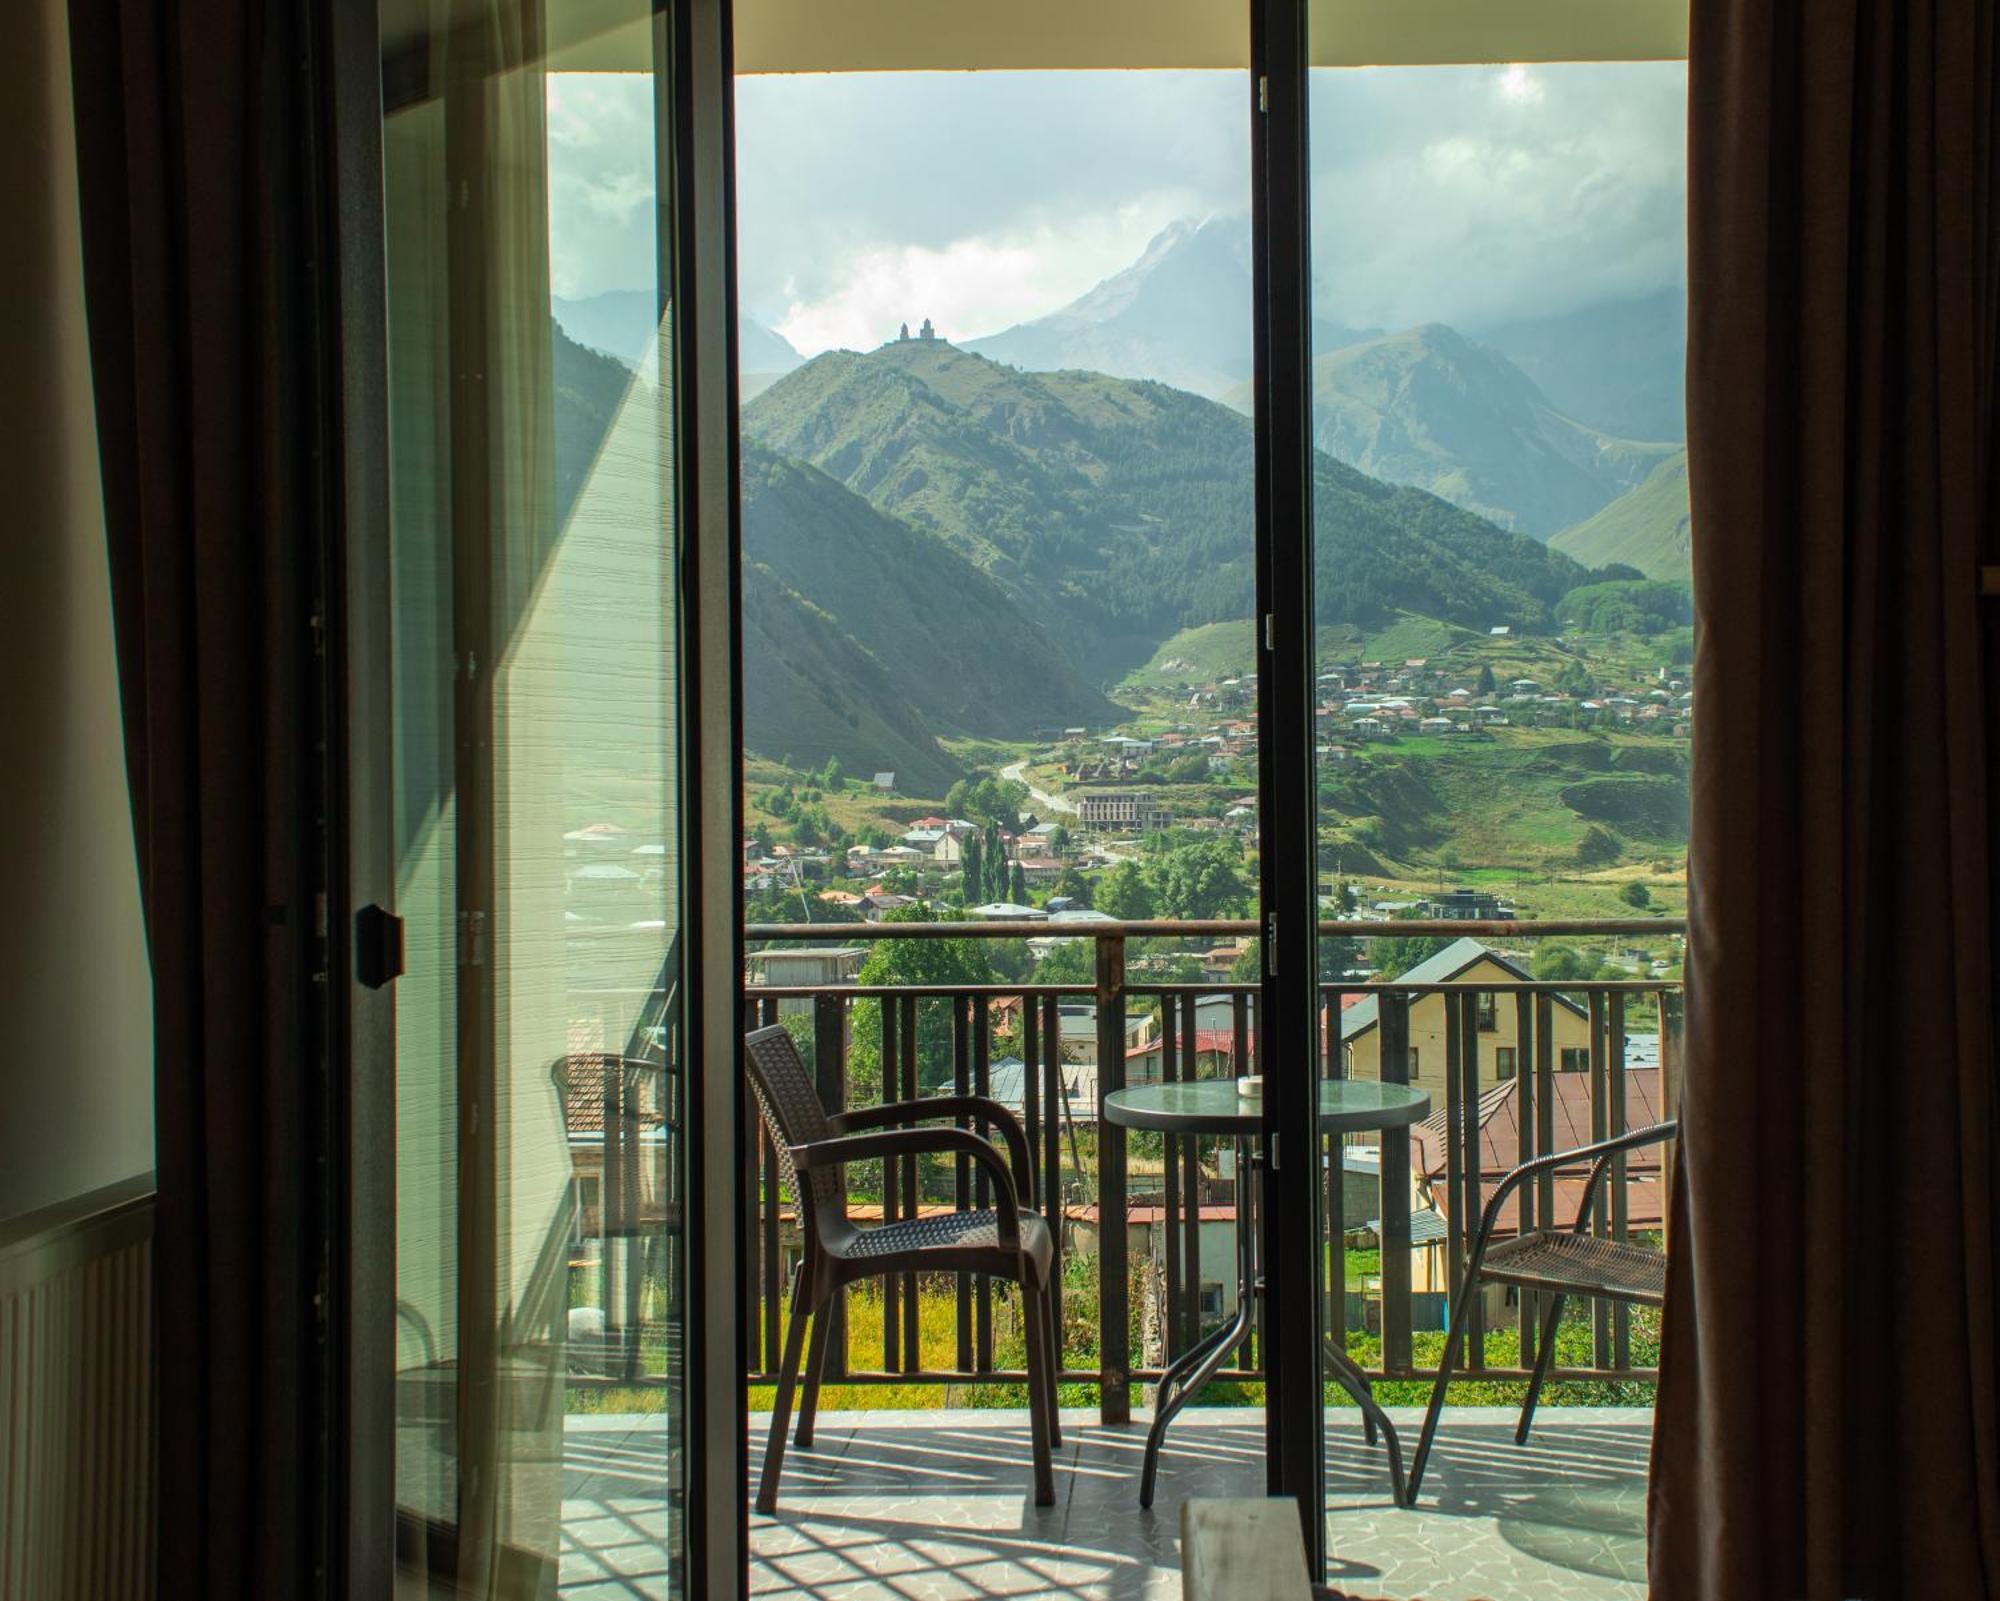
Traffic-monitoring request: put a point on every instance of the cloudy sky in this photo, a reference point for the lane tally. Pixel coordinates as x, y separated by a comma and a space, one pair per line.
1469, 195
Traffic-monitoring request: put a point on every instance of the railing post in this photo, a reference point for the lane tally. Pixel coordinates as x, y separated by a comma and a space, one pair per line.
1397, 1354
1600, 1129
830, 1070
1528, 1325
1113, 1238
1471, 1134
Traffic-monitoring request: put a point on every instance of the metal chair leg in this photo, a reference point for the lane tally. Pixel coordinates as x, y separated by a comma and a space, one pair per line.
1544, 1359
815, 1368
1454, 1341
1055, 1364
1039, 1392
781, 1405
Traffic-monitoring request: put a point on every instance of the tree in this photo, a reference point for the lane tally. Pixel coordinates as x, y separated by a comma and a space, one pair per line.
1337, 954
1248, 968
1486, 683
1059, 841
1636, 894
1395, 955
1017, 886
1598, 848
830, 777
925, 963
1556, 964
985, 799
1070, 961
1073, 884
1123, 893
972, 874
1199, 880
995, 853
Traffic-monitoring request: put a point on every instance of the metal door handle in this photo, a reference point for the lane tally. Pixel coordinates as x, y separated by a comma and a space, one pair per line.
378, 946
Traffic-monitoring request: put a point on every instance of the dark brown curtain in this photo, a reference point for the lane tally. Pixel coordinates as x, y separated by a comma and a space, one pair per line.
1829, 1410
195, 237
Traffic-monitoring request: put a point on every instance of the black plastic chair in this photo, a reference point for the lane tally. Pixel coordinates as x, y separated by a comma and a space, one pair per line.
1002, 1241
1559, 1263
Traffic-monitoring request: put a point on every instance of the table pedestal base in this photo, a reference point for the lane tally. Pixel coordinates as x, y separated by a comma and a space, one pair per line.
1195, 1366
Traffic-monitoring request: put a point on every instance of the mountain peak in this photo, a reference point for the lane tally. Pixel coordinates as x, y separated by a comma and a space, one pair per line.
1179, 315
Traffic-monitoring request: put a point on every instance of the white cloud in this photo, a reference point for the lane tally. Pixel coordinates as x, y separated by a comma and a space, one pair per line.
1457, 194
971, 286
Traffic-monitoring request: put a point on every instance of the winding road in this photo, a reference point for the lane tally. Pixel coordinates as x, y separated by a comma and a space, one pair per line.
1018, 774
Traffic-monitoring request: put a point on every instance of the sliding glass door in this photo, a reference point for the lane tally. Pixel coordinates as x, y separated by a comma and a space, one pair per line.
534, 802
1475, 535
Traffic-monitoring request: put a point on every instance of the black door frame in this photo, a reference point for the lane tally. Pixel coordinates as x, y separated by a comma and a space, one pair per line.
691, 62
692, 53
698, 43
1294, 1270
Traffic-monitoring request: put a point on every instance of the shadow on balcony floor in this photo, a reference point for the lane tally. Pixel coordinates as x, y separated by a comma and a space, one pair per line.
935, 1504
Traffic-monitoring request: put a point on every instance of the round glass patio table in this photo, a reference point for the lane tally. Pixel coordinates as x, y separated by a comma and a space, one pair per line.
1213, 1106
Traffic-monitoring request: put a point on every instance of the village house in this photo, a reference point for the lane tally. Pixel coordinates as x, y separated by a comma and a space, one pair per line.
809, 967
1469, 905
1469, 962
879, 902
1042, 836
1133, 812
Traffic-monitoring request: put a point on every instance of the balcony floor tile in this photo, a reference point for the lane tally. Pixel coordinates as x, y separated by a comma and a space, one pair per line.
936, 1505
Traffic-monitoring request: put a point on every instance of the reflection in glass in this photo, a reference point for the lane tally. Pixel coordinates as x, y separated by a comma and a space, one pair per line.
537, 826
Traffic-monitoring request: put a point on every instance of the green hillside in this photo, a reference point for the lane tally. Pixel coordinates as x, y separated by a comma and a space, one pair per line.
1646, 529
1519, 802
1120, 511
1211, 651
914, 605
810, 692
1430, 408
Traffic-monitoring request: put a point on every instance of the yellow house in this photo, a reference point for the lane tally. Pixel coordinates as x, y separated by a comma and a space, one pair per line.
1469, 962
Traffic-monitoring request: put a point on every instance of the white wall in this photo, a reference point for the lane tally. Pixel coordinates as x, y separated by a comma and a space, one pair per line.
76, 1072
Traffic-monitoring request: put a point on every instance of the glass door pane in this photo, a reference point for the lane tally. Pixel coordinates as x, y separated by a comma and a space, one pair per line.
536, 806
1502, 649
1000, 673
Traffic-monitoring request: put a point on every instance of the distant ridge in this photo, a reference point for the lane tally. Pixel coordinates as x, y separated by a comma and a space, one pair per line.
1649, 528
1433, 409
1119, 512
1618, 365
1179, 315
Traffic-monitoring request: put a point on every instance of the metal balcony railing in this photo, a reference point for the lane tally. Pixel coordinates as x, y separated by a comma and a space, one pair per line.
1582, 1052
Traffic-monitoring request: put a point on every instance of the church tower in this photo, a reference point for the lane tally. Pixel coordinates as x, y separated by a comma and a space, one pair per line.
927, 332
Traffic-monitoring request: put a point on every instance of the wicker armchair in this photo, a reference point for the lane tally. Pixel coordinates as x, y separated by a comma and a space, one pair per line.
1558, 1262
1003, 1241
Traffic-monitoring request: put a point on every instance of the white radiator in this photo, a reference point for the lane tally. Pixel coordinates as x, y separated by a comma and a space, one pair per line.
76, 1401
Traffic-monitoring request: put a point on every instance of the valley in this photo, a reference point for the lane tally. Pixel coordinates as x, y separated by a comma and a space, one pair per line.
1002, 593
